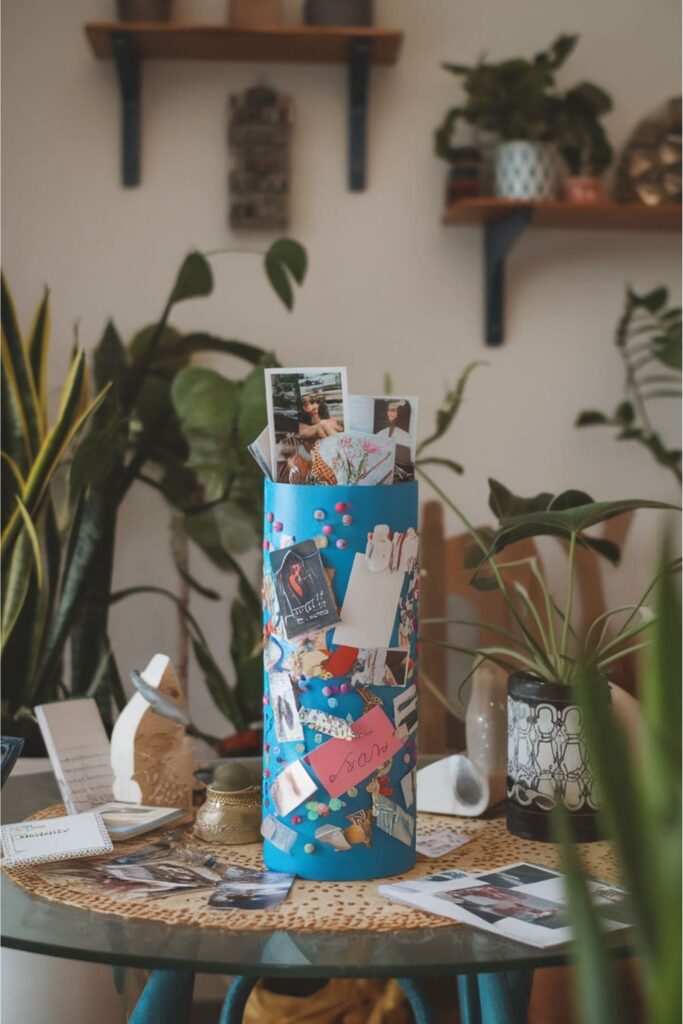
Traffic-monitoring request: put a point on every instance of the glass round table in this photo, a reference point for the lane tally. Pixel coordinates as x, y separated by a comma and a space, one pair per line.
494, 974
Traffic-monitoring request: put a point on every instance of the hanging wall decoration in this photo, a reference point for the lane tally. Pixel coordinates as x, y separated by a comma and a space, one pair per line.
259, 136
650, 167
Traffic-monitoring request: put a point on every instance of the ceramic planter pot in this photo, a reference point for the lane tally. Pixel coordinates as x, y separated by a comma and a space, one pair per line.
525, 170
580, 188
547, 761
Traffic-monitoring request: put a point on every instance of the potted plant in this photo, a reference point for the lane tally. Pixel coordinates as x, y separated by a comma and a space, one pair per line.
144, 418
582, 140
547, 764
515, 101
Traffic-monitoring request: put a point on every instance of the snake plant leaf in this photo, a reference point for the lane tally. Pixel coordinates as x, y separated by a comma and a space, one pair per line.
70, 418
447, 413
217, 685
25, 555
285, 257
194, 279
110, 361
18, 368
598, 999
199, 341
38, 349
15, 439
98, 452
12, 485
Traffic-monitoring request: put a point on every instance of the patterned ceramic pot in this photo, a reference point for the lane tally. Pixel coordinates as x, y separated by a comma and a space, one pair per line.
547, 761
526, 170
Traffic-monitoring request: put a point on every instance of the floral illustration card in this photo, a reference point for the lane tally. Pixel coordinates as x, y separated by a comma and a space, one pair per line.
359, 458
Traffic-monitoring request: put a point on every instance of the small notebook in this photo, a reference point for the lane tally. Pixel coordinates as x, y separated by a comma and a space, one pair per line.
37, 842
79, 752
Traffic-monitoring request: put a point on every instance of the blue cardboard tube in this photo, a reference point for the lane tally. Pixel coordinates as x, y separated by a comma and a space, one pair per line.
302, 512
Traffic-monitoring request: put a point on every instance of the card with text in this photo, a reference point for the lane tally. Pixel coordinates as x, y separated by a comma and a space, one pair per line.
340, 764
37, 842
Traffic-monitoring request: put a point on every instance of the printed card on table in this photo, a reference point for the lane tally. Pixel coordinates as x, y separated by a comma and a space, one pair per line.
305, 405
340, 764
37, 842
438, 844
388, 416
304, 595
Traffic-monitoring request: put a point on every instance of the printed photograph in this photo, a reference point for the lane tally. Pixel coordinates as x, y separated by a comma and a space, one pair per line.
492, 904
519, 874
244, 889
283, 701
393, 418
381, 667
305, 598
162, 878
304, 407
291, 787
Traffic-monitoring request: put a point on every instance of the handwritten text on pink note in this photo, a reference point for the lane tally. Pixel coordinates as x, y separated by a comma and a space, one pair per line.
340, 764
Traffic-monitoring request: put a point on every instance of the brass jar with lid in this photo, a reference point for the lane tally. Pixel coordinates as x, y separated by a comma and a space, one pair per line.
230, 817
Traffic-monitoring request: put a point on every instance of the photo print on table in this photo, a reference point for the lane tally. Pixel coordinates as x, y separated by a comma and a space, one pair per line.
392, 417
246, 889
305, 405
305, 598
492, 904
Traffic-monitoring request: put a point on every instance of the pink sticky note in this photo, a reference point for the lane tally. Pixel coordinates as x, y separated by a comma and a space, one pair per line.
340, 764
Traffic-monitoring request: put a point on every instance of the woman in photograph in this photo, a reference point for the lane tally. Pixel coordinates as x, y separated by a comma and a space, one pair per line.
398, 421
314, 420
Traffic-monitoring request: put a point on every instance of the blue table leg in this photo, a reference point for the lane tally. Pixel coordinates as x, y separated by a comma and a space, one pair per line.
495, 998
416, 994
468, 997
165, 999
236, 1000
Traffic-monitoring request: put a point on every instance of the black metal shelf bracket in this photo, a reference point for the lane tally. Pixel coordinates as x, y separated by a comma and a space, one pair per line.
128, 69
360, 61
499, 238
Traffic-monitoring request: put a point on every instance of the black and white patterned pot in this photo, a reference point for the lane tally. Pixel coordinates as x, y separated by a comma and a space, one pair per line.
547, 761
526, 170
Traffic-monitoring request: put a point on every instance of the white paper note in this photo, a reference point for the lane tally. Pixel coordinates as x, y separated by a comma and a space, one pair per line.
370, 605
35, 842
79, 752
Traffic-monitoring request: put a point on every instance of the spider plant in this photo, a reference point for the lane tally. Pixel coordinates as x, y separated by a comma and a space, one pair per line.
545, 644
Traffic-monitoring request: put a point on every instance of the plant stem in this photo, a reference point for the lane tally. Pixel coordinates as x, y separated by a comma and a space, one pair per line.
568, 604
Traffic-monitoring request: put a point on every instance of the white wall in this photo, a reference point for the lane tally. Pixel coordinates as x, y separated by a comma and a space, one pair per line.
389, 288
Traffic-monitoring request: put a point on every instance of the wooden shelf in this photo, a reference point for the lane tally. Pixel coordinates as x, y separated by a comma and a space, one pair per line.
306, 44
504, 220
129, 44
555, 214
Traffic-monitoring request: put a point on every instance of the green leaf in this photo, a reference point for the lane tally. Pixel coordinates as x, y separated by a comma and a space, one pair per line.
446, 414
206, 405
625, 412
598, 994
217, 685
194, 279
18, 369
448, 463
38, 350
503, 503
210, 595
284, 257
202, 342
654, 300
26, 554
590, 418
98, 453
667, 348
252, 415
110, 362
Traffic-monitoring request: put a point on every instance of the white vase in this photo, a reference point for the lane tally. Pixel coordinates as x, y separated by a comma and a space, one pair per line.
486, 727
526, 170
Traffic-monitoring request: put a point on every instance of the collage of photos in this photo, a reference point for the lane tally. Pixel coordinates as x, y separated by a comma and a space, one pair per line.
319, 434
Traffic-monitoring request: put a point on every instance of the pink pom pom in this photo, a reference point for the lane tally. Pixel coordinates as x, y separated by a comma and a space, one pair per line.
341, 506
327, 529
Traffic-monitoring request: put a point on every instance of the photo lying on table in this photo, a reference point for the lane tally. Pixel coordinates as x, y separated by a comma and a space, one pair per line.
305, 405
305, 599
528, 907
245, 889
355, 459
161, 877
381, 666
391, 417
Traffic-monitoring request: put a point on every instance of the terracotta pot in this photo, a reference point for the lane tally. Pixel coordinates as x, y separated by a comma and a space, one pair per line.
579, 188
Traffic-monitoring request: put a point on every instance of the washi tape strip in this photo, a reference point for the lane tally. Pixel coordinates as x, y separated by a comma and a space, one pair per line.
328, 724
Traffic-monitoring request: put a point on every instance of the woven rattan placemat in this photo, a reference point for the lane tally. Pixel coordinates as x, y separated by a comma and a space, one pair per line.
315, 906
